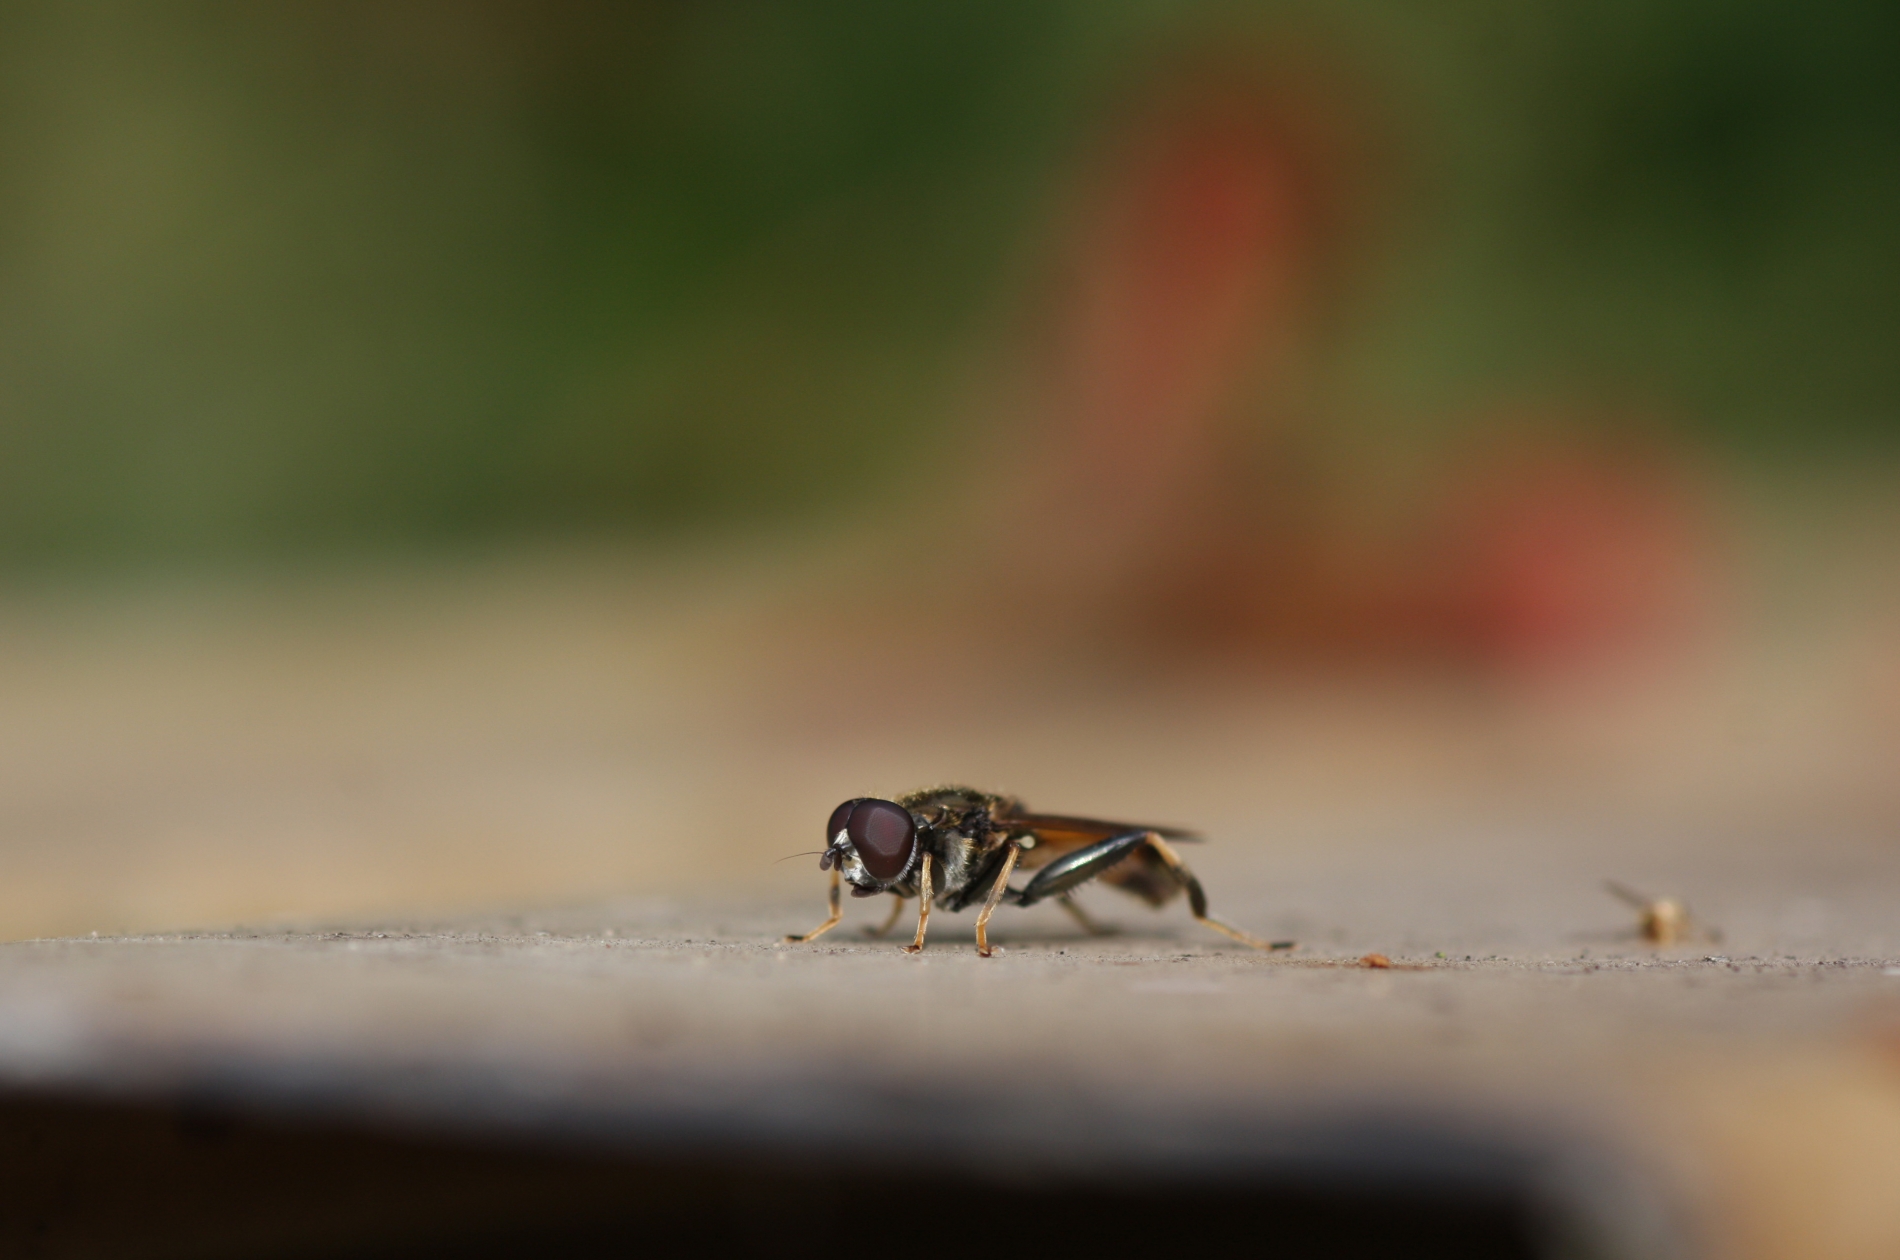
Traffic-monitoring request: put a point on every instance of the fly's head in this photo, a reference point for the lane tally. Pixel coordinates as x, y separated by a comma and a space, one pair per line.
873, 844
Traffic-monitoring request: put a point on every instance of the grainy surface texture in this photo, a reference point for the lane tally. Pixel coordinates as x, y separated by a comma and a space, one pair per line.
1735, 1099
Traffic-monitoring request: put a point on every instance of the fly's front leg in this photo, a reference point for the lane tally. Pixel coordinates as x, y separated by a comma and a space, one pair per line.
996, 894
1197, 899
897, 908
923, 907
837, 913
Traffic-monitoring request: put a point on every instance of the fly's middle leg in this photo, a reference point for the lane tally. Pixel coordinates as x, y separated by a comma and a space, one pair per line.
897, 908
1089, 924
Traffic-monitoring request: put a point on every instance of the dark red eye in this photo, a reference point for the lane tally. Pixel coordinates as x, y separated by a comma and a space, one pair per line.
884, 835
839, 817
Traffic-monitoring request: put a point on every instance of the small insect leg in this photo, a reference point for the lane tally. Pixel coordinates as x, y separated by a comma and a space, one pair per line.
1068, 902
897, 908
923, 907
837, 914
996, 894
1197, 899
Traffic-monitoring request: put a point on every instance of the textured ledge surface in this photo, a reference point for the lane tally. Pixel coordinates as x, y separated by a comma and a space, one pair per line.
1733, 1099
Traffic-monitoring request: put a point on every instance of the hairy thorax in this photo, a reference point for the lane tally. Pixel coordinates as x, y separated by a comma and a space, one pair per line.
959, 827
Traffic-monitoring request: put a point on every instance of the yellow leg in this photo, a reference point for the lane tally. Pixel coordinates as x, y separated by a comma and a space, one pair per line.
923, 908
1197, 899
996, 894
1081, 916
837, 913
897, 908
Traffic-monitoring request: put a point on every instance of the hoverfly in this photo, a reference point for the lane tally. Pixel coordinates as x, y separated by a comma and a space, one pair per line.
956, 846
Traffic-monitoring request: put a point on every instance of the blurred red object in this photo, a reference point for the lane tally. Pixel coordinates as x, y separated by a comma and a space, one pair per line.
1186, 500
1561, 553
1191, 264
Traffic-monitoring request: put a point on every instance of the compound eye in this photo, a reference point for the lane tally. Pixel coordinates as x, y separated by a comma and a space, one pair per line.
839, 817
884, 835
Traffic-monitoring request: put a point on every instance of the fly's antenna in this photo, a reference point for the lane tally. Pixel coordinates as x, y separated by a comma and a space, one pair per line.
807, 853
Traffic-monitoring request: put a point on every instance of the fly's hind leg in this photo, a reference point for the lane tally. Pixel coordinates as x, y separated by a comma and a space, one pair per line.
1073, 869
837, 913
1197, 899
1079, 867
897, 908
1068, 902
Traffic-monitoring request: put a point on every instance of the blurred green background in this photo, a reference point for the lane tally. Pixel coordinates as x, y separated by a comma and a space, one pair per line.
311, 278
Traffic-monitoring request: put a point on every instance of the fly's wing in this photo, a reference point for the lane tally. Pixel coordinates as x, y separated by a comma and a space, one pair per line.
1141, 873
1085, 830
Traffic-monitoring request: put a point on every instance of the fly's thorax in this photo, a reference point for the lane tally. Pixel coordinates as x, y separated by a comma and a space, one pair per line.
956, 857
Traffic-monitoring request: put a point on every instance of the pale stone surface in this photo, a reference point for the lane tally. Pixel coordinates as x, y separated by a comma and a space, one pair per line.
1519, 1010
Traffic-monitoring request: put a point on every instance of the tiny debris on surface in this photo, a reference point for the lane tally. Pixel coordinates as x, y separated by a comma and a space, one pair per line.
1662, 920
